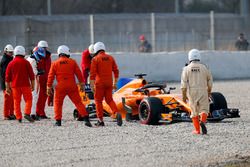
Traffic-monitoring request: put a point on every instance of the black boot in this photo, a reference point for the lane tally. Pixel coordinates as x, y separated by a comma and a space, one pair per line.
26, 116
86, 120
44, 117
203, 128
35, 117
119, 119
99, 123
12, 117
58, 123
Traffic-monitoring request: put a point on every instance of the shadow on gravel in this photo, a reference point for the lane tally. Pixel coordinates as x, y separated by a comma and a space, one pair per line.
221, 122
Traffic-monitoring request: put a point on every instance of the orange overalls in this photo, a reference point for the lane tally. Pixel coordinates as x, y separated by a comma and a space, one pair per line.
8, 107
44, 64
102, 67
19, 72
65, 69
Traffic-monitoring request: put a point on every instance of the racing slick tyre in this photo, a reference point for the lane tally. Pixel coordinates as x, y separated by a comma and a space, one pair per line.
217, 105
218, 101
150, 110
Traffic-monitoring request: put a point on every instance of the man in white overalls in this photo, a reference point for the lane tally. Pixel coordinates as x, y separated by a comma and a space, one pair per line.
196, 85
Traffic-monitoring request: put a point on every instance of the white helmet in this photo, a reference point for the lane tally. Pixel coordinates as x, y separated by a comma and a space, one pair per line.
194, 54
63, 49
8, 48
99, 46
19, 50
43, 44
91, 49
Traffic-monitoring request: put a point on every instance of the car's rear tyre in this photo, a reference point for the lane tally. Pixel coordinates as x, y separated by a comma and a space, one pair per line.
218, 101
217, 104
150, 110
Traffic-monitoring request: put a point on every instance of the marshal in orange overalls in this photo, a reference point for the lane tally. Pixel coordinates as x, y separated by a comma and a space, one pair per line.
102, 68
65, 69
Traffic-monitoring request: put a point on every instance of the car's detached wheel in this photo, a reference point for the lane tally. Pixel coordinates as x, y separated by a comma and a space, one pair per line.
150, 110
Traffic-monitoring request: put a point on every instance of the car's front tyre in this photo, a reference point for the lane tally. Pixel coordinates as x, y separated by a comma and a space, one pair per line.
150, 110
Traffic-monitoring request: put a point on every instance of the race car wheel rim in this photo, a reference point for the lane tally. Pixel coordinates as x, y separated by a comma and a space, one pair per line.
145, 111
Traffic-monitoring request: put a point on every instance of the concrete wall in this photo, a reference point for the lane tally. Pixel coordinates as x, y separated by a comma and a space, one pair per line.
166, 66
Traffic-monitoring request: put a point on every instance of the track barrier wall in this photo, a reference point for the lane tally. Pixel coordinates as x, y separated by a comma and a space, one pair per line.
167, 66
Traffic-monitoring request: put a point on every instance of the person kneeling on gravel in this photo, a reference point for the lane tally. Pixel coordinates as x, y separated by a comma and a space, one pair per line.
65, 69
196, 85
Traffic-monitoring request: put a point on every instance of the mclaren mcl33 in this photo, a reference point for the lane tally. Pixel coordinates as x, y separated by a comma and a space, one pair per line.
153, 103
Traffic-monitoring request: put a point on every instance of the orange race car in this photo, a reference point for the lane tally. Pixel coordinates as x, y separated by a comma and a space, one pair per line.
151, 103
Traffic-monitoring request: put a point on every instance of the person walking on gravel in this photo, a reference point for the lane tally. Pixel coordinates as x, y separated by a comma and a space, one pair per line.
101, 82
65, 69
196, 85
20, 80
